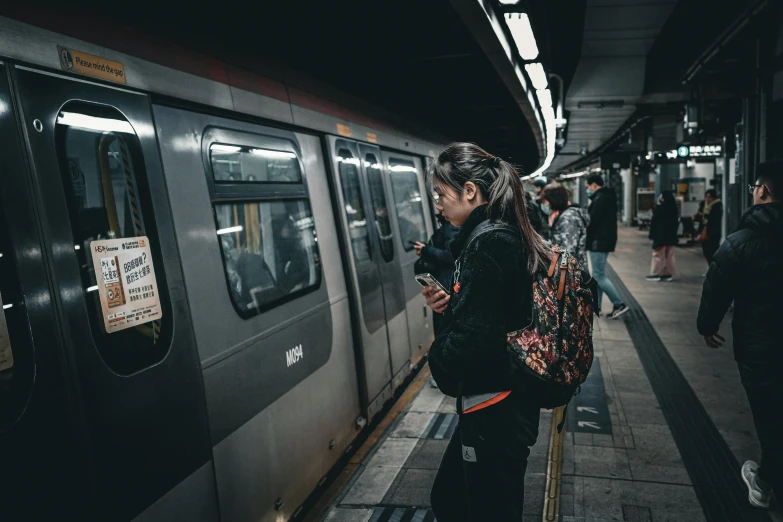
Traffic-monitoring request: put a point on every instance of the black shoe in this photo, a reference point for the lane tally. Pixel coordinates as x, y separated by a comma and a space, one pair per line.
654, 278
667, 279
618, 310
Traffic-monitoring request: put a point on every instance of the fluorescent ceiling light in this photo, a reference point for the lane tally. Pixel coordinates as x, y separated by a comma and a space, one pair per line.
224, 148
82, 121
537, 75
402, 168
509, 2
519, 25
228, 230
544, 97
273, 153
77, 247
92, 288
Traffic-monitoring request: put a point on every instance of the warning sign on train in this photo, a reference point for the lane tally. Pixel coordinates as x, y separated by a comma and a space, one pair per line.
89, 65
126, 282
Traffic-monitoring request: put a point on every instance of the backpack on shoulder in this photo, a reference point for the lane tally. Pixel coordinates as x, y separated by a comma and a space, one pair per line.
554, 352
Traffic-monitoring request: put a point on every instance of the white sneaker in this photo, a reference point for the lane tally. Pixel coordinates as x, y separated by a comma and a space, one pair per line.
757, 496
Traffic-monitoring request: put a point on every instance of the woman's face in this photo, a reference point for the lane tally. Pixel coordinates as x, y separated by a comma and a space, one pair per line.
456, 207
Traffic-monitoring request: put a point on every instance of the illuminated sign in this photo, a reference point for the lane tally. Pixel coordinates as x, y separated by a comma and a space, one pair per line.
683, 151
706, 151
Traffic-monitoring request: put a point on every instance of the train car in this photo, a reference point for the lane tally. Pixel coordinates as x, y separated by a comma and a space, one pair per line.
207, 283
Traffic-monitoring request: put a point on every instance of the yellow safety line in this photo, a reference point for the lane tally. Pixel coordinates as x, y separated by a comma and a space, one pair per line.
554, 469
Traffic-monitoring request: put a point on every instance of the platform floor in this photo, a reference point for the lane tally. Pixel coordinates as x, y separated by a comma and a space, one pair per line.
658, 433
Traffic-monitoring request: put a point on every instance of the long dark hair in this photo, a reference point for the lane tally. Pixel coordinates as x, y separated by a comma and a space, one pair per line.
499, 184
667, 209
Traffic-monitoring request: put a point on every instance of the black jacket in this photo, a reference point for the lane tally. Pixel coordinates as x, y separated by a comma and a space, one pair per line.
602, 231
714, 219
537, 218
748, 269
663, 227
438, 256
469, 355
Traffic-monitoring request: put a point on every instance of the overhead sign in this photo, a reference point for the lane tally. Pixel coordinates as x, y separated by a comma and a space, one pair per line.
6, 355
126, 282
683, 151
72, 60
706, 151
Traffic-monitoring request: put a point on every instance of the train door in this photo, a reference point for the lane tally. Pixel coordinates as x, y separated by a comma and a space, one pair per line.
133, 386
406, 181
391, 276
359, 230
40, 456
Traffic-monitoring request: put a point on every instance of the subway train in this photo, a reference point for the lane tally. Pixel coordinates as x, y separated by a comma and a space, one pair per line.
207, 283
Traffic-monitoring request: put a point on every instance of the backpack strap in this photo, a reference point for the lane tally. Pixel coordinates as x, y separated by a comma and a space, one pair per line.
553, 265
487, 226
563, 270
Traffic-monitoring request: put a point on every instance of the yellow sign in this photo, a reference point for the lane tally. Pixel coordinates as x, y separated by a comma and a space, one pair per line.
89, 65
343, 130
372, 138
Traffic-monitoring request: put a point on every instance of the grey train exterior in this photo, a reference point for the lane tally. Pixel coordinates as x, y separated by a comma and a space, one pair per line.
283, 257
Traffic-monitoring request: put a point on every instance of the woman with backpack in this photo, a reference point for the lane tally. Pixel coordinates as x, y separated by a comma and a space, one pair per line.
481, 476
663, 232
568, 223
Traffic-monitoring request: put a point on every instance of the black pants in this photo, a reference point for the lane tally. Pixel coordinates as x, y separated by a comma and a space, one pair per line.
482, 474
765, 396
709, 247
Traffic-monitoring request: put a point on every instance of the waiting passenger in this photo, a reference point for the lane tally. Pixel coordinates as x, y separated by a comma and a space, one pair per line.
437, 260
711, 229
663, 232
537, 218
748, 269
291, 259
482, 474
602, 239
567, 222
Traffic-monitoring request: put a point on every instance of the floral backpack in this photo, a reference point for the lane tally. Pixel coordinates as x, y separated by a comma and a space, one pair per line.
555, 352
556, 349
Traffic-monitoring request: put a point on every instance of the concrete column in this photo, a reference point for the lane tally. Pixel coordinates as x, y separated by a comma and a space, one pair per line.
625, 175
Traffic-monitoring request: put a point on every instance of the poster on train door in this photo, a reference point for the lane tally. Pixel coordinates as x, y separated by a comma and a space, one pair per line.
126, 282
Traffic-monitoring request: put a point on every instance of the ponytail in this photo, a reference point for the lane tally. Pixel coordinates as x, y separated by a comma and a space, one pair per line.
499, 183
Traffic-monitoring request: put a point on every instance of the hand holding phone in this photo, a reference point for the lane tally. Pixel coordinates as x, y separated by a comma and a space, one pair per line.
426, 280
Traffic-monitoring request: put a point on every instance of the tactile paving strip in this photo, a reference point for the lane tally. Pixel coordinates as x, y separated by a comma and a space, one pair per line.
711, 465
442, 426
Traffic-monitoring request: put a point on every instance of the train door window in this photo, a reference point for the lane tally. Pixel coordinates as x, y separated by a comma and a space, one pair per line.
348, 167
17, 358
408, 202
374, 170
235, 164
108, 198
270, 252
268, 240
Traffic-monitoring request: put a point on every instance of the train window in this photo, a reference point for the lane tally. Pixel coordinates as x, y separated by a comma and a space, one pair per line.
270, 252
17, 358
235, 164
108, 198
407, 198
378, 196
348, 167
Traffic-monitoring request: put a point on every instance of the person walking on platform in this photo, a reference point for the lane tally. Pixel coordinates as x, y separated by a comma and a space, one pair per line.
663, 232
567, 222
482, 473
602, 239
748, 270
711, 228
437, 260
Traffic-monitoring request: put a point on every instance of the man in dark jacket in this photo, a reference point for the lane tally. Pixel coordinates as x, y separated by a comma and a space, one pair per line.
748, 269
713, 217
602, 239
439, 259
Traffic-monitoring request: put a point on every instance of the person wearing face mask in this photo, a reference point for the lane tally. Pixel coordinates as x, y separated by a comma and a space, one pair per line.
747, 269
482, 473
663, 232
602, 239
568, 222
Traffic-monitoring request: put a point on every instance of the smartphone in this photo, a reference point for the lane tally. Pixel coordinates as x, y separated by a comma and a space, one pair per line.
412, 243
426, 280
